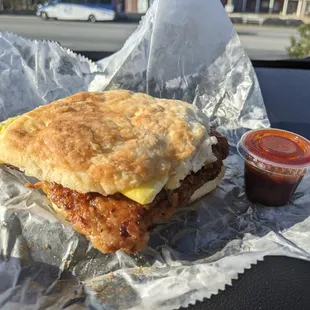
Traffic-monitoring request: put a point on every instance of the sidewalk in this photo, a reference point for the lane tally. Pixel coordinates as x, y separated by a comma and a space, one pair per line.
266, 19
18, 12
236, 18
251, 19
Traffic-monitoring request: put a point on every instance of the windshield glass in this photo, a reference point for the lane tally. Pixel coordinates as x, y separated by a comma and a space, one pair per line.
268, 29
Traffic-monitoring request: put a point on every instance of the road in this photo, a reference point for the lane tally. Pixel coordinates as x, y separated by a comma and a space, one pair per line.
265, 42
259, 42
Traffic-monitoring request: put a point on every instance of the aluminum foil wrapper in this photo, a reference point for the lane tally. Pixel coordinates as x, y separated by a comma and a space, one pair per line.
183, 49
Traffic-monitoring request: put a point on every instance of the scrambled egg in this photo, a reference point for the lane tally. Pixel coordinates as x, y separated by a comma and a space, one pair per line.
145, 193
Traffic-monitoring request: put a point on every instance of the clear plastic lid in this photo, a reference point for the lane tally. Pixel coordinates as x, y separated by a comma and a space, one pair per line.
275, 147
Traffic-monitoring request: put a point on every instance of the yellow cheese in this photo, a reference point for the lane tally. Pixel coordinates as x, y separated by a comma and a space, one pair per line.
145, 193
4, 125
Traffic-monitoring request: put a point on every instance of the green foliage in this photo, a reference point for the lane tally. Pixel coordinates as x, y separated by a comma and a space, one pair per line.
300, 47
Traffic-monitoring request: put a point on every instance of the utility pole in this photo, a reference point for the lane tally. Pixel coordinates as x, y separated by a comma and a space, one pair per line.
244, 3
229, 7
303, 9
298, 11
257, 6
271, 5
284, 10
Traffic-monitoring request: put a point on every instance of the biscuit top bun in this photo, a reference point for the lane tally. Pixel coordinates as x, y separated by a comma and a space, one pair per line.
110, 141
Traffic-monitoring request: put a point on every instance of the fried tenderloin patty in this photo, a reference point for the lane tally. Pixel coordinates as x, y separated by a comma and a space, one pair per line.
116, 222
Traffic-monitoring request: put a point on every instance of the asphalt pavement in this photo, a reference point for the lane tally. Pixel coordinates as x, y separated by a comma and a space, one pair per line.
260, 42
265, 42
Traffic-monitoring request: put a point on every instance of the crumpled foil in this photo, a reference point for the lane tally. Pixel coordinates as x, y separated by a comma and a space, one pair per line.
183, 49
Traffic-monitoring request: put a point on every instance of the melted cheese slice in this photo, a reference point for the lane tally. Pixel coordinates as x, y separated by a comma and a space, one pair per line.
146, 193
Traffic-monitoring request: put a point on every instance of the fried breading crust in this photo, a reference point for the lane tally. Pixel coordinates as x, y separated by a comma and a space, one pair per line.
116, 222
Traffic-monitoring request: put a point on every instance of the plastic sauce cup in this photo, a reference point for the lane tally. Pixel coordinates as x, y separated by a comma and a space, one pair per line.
275, 163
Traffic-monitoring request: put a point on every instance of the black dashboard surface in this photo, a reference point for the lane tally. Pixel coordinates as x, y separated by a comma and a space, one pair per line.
277, 283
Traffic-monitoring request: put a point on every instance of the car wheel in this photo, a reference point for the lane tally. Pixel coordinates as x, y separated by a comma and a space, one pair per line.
92, 18
44, 16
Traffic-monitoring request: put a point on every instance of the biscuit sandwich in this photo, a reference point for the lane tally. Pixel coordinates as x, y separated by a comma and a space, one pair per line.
112, 163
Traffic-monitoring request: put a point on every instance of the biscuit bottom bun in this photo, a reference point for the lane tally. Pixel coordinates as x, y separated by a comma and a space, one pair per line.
208, 187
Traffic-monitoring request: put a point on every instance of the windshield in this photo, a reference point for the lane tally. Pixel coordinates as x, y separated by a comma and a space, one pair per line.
268, 29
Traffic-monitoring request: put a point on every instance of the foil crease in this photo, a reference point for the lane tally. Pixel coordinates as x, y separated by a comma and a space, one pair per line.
185, 50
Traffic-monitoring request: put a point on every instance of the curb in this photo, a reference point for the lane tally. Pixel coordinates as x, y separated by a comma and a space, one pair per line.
245, 19
27, 13
256, 19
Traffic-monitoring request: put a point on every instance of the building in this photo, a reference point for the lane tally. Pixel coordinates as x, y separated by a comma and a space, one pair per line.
18, 4
137, 6
299, 8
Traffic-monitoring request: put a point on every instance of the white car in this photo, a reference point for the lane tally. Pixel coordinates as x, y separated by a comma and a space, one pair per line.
91, 10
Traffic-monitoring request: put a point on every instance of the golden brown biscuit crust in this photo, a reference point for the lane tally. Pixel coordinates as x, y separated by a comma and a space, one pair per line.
104, 142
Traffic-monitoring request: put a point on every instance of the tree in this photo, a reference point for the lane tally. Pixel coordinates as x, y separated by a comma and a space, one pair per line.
300, 47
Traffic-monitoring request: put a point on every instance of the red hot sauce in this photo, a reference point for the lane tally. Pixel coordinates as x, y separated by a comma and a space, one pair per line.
275, 163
